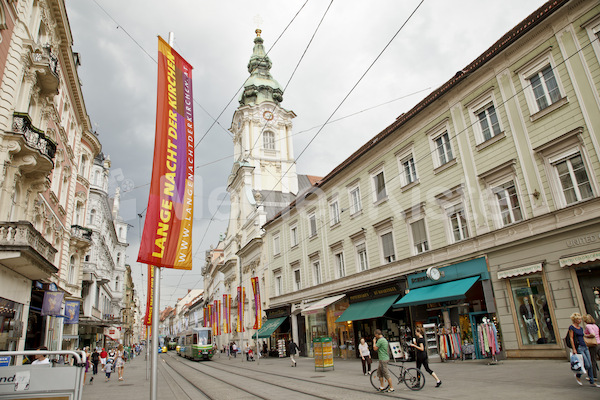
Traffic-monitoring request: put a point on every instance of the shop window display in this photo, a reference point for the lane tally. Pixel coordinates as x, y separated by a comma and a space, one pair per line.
535, 321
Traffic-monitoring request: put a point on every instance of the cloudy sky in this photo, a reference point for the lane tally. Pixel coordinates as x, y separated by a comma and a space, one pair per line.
117, 42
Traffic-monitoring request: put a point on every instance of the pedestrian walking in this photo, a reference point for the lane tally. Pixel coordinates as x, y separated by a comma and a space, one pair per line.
234, 349
422, 358
293, 351
108, 368
578, 346
381, 346
120, 361
592, 331
95, 362
103, 357
365, 356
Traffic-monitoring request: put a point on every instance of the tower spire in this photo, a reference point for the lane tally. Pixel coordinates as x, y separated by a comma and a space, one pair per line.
260, 85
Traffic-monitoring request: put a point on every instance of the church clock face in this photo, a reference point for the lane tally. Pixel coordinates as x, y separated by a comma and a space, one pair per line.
268, 115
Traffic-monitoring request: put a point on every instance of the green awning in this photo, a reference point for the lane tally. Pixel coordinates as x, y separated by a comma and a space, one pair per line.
446, 291
367, 309
269, 327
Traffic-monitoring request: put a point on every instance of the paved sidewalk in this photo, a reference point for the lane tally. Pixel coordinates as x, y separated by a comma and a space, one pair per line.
473, 379
135, 386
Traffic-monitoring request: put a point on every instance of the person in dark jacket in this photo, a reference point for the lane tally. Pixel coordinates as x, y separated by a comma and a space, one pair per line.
95, 362
293, 351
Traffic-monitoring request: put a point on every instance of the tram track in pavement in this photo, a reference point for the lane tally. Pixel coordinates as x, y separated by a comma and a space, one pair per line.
170, 379
294, 378
229, 383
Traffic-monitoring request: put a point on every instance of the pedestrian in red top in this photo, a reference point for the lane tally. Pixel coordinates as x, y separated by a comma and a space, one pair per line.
103, 355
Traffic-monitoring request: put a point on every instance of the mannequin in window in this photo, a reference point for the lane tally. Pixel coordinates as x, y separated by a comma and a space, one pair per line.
528, 315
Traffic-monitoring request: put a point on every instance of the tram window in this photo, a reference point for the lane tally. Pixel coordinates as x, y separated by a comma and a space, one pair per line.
195, 338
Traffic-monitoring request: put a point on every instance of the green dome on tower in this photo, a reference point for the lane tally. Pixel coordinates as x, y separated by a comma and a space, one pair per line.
260, 85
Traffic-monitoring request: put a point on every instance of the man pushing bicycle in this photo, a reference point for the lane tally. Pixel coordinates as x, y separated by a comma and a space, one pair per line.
380, 344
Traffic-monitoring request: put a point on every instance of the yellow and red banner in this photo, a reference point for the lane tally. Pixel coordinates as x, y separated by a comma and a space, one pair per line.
210, 315
167, 237
241, 295
216, 325
226, 313
150, 301
205, 322
257, 306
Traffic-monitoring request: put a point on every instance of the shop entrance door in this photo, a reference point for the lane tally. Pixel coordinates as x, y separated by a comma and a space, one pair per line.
589, 282
301, 334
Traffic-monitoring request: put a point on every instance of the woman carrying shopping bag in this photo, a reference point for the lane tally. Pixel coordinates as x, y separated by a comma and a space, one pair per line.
579, 347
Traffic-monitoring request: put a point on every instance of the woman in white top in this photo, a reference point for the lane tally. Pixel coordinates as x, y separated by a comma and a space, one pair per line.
365, 356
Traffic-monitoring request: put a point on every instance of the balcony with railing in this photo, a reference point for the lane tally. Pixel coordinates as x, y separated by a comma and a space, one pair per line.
25, 251
81, 237
34, 142
47, 69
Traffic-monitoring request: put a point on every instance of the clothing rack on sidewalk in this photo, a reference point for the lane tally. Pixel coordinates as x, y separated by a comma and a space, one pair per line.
487, 335
450, 343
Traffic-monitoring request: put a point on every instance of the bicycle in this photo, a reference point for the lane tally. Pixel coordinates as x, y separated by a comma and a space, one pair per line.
413, 378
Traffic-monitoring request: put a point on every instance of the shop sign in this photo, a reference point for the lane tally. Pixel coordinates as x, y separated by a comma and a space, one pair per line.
375, 293
583, 240
5, 361
278, 312
582, 258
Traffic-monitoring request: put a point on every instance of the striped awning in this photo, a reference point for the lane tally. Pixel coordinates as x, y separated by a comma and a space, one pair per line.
528, 269
579, 259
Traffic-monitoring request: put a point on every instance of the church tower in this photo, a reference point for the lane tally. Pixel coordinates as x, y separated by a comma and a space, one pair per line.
262, 129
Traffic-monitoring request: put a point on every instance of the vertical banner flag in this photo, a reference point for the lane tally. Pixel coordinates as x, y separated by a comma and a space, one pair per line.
220, 318
205, 320
216, 324
241, 295
257, 307
167, 237
52, 303
210, 316
226, 313
150, 302
72, 312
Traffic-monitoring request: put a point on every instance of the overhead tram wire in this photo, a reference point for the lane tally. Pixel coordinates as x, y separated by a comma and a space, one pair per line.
119, 26
242, 86
349, 93
337, 108
266, 55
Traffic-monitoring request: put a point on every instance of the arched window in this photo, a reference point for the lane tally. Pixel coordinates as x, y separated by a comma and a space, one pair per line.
71, 273
117, 284
78, 209
83, 165
97, 178
269, 140
92, 220
118, 258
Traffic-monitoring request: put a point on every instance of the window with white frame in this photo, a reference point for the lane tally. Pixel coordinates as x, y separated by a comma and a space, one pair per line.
361, 257
408, 170
573, 179
316, 266
340, 268
312, 223
387, 247
419, 236
355, 203
278, 285
542, 87
379, 190
268, 140
458, 223
443, 149
276, 247
488, 122
294, 235
508, 202
334, 212
297, 280
71, 277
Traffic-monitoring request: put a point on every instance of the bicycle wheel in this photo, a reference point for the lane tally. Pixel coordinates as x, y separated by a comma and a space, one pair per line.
375, 380
414, 379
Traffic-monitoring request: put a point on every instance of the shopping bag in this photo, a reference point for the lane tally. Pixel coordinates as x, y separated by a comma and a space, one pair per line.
577, 363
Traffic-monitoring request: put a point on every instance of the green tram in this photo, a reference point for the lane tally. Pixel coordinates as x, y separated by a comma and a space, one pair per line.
197, 344
171, 343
